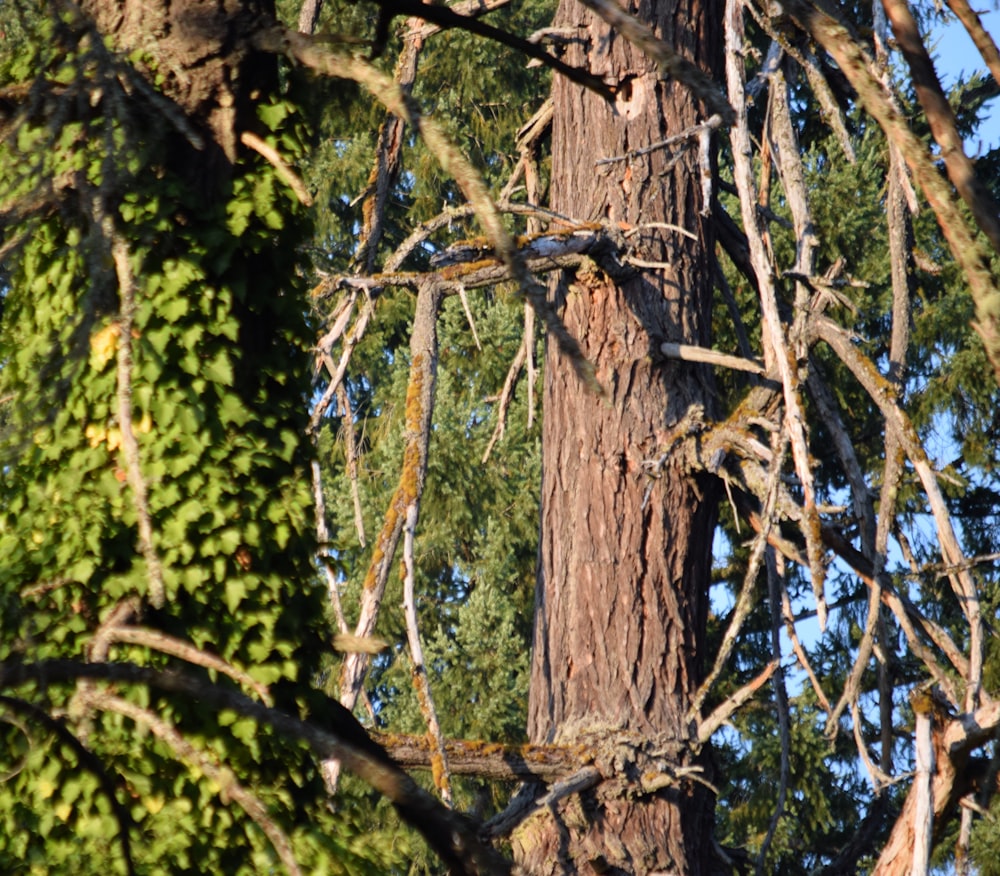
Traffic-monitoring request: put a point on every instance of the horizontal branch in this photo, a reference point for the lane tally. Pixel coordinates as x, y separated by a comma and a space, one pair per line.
489, 760
711, 357
473, 265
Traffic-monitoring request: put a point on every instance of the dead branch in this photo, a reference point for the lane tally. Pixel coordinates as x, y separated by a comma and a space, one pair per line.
942, 121
777, 356
837, 38
712, 357
883, 394
419, 408
724, 710
489, 760
129, 443
427, 301
523, 807
775, 587
330, 61
974, 27
447, 18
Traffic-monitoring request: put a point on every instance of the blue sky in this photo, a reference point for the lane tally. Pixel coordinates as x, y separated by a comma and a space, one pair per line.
955, 55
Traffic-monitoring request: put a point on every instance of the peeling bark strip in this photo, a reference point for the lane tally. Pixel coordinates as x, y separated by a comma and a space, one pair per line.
621, 598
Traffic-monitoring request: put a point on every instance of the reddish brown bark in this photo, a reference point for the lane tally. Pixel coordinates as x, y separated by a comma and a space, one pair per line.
623, 577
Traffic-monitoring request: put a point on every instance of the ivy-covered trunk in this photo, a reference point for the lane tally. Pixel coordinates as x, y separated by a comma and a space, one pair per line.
154, 434
626, 532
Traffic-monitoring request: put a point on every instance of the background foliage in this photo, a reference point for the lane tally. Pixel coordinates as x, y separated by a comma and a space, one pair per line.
221, 388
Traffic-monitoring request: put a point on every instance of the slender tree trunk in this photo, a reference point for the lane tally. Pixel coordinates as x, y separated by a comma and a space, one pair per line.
626, 533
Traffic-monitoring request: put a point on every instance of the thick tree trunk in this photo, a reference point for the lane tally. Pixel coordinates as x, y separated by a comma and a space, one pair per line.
626, 533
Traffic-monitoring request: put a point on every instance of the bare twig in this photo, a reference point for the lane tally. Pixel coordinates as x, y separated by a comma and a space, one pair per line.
506, 396
883, 394
129, 444
281, 167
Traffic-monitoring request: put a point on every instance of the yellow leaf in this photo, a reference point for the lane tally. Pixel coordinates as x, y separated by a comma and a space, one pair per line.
46, 788
145, 424
62, 810
95, 434
153, 804
114, 439
104, 345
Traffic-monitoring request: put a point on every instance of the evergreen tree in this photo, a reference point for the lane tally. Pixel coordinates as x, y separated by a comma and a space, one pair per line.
277, 424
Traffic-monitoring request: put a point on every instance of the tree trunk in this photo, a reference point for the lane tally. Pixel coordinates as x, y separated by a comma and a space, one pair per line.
626, 533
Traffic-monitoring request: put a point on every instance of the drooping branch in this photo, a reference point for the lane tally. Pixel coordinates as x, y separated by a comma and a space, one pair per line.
333, 734
223, 777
